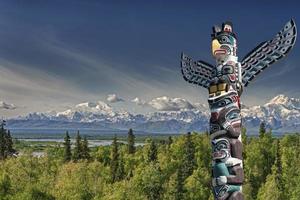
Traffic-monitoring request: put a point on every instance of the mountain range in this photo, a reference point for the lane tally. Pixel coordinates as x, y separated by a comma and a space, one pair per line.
281, 114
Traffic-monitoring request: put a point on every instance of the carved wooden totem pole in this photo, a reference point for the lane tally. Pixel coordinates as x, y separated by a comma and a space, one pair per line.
225, 82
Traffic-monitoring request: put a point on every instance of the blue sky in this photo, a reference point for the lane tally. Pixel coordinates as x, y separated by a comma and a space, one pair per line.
54, 54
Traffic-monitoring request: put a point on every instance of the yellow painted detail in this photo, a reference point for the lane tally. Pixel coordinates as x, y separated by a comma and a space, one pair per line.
213, 89
222, 87
215, 45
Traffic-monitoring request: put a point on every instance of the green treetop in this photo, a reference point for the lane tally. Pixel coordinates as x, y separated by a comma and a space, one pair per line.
131, 141
189, 160
67, 148
152, 152
78, 148
85, 149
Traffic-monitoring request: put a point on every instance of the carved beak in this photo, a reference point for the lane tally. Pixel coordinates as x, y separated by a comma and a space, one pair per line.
215, 47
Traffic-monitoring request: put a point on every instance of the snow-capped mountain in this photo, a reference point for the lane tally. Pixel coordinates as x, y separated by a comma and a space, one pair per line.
281, 113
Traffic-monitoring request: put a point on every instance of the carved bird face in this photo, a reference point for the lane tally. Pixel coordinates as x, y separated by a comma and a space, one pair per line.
223, 42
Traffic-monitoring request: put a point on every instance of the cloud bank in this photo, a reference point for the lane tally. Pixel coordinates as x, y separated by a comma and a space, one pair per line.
165, 103
113, 98
7, 106
139, 101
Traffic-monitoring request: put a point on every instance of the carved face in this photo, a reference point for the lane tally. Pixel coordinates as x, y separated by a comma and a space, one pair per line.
228, 119
221, 149
227, 100
223, 41
223, 45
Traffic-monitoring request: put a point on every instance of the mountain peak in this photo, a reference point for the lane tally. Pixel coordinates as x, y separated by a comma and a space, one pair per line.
280, 99
90, 105
86, 104
284, 101
280, 113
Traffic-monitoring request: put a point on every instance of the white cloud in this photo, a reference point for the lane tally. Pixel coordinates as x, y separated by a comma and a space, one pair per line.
113, 98
165, 103
7, 106
139, 101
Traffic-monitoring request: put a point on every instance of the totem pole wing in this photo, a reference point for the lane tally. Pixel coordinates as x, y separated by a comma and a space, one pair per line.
268, 52
196, 72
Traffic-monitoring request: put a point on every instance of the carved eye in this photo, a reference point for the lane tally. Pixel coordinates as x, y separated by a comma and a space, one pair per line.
221, 104
227, 69
233, 115
228, 101
221, 145
224, 39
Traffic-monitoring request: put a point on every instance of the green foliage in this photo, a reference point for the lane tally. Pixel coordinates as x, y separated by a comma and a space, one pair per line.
270, 189
36, 194
188, 162
67, 145
174, 187
170, 141
262, 129
6, 143
85, 149
5, 186
78, 148
130, 142
179, 169
198, 185
152, 152
150, 181
260, 157
114, 163
117, 170
81, 149
103, 155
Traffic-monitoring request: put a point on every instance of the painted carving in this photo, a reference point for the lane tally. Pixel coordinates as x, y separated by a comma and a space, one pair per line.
225, 83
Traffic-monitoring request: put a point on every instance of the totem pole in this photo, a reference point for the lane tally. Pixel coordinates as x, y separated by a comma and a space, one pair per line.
225, 82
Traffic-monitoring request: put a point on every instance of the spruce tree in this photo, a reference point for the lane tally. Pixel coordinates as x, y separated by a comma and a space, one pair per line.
170, 141
67, 146
78, 148
189, 161
2, 141
131, 141
179, 184
6, 143
121, 170
85, 149
273, 187
114, 163
244, 141
278, 166
9, 143
152, 152
262, 129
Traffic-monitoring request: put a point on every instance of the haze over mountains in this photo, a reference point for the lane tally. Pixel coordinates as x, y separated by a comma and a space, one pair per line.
176, 115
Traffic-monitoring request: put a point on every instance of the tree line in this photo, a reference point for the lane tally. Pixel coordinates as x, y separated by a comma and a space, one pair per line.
6, 143
81, 149
177, 168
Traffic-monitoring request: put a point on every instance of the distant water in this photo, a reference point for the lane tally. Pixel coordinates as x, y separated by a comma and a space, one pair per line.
60, 133
92, 143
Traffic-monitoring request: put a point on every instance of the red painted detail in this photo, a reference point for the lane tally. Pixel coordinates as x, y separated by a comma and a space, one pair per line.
220, 52
235, 99
239, 101
232, 77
